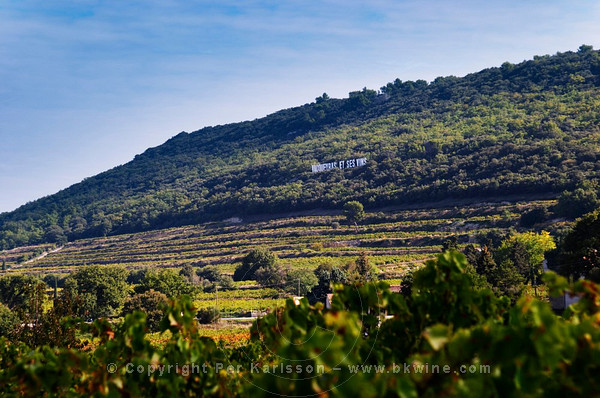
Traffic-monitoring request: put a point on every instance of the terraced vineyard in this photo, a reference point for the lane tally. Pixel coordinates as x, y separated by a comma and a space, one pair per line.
25, 255
394, 240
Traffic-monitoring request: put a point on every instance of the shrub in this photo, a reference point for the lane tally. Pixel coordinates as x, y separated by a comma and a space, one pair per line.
300, 281
208, 315
256, 259
209, 272
576, 203
151, 303
166, 281
533, 217
8, 321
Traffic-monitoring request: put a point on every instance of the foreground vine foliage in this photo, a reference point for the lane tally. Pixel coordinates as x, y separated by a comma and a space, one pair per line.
445, 339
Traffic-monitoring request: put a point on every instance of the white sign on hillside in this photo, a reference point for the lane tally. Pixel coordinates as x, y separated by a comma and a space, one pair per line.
342, 164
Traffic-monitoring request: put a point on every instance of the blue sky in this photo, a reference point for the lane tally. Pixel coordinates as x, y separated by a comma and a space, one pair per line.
85, 85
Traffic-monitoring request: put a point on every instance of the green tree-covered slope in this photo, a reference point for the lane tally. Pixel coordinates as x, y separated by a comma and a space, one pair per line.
527, 128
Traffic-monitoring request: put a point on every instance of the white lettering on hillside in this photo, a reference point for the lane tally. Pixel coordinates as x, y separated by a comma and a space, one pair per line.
342, 164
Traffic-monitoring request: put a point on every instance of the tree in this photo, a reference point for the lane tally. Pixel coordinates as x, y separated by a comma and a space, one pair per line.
54, 280
526, 252
9, 321
327, 274
480, 263
578, 254
532, 217
450, 244
226, 282
136, 276
105, 226
359, 99
273, 275
354, 211
300, 281
406, 284
506, 280
32, 316
188, 273
212, 277
472, 254
361, 271
519, 257
55, 234
55, 327
152, 303
491, 239
322, 98
77, 226
210, 273
257, 258
166, 281
208, 315
85, 302
574, 204
103, 289
16, 290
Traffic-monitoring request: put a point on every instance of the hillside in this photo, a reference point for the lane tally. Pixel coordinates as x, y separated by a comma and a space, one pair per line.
396, 241
527, 128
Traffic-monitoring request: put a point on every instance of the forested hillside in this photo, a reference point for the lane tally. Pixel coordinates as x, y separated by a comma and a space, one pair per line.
527, 128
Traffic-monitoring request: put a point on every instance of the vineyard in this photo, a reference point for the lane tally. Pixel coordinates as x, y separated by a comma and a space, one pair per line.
395, 241
427, 238
249, 338
445, 338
